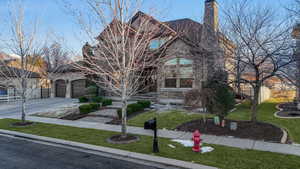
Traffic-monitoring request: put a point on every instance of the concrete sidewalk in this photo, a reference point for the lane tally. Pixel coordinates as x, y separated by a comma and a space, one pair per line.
218, 140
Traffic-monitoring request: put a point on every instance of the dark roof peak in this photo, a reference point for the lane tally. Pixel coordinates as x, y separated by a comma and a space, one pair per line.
187, 27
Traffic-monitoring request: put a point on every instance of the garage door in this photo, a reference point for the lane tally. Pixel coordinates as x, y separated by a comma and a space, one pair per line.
60, 88
78, 88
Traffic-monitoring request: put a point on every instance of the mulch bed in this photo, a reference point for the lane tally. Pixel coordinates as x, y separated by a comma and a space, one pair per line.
289, 113
118, 139
246, 129
115, 121
74, 116
291, 106
288, 110
21, 124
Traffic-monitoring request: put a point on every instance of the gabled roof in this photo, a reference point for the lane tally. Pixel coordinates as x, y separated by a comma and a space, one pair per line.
164, 27
187, 28
66, 68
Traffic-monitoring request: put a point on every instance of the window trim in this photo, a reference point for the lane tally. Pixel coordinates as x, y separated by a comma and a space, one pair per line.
178, 75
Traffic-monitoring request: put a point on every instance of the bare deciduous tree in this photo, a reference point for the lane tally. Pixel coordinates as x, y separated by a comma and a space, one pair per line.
263, 45
121, 62
21, 43
54, 57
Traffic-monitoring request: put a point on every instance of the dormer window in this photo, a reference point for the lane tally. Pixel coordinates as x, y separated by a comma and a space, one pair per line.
157, 43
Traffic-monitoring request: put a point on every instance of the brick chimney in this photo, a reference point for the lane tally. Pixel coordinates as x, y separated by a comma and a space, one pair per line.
211, 16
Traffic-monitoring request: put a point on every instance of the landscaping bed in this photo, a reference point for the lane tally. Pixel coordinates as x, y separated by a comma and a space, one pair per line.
288, 110
246, 129
290, 106
73, 116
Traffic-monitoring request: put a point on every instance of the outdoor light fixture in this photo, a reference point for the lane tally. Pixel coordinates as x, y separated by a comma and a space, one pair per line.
151, 125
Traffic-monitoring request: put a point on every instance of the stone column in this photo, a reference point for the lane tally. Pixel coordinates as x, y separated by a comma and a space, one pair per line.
68, 89
52, 88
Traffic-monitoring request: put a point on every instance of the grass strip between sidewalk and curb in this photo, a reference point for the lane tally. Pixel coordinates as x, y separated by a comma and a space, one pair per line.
222, 157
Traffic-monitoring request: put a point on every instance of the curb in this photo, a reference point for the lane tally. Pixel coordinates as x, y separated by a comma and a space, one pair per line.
284, 138
115, 152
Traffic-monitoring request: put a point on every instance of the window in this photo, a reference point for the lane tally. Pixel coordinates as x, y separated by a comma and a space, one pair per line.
186, 83
178, 70
156, 43
170, 83
171, 62
183, 61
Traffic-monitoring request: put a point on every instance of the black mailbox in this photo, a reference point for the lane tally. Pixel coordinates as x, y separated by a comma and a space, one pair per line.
150, 124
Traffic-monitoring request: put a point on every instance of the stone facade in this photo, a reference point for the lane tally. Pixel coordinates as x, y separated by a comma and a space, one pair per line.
180, 49
192, 52
68, 77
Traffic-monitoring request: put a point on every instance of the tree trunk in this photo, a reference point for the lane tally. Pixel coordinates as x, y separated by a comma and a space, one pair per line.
254, 104
23, 109
124, 115
23, 100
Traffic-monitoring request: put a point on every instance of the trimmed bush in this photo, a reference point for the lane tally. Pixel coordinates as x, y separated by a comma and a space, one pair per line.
85, 109
145, 103
134, 107
83, 99
97, 99
131, 108
106, 102
95, 106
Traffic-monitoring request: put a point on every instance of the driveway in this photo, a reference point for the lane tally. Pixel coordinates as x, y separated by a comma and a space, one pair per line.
34, 106
22, 154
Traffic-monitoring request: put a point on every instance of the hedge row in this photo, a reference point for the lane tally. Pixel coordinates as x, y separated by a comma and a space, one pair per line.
88, 108
98, 99
135, 107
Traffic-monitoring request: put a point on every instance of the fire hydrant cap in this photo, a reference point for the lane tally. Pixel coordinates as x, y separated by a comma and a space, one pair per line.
196, 133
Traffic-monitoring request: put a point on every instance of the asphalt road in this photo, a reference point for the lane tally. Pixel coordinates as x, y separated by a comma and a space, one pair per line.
22, 154
33, 106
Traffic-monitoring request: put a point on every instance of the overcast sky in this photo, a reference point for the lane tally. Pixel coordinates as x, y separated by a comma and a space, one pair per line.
52, 17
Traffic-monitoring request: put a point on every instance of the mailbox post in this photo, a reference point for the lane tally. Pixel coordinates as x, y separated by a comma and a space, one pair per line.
151, 124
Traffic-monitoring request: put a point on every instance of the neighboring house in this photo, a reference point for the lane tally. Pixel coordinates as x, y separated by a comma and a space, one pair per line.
186, 56
68, 82
10, 83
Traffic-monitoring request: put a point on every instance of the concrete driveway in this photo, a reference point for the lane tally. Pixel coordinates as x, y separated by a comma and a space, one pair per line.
34, 106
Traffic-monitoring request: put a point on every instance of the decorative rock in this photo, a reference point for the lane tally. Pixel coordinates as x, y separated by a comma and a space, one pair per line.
233, 126
217, 120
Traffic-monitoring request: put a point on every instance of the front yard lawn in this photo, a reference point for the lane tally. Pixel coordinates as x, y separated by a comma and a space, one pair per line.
168, 120
222, 157
266, 110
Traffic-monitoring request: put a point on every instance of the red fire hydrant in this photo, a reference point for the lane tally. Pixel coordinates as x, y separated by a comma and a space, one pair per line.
197, 141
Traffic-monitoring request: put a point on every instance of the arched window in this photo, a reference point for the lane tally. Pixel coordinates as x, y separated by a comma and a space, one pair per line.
179, 73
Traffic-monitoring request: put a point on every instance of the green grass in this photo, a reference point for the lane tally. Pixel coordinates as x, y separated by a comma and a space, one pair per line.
223, 157
167, 120
266, 112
